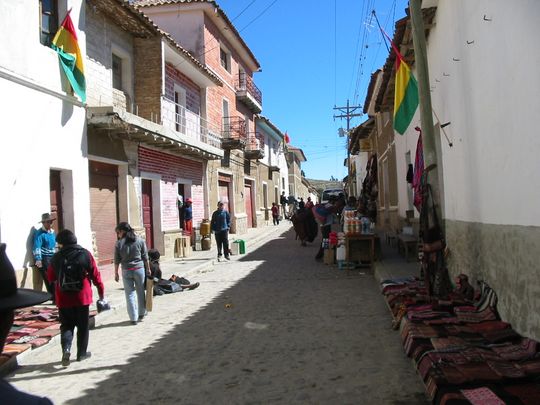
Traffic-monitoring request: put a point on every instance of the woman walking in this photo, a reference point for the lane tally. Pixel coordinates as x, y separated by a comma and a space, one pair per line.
131, 253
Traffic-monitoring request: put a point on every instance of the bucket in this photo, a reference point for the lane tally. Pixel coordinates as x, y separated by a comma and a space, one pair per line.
205, 227
241, 246
206, 244
340, 253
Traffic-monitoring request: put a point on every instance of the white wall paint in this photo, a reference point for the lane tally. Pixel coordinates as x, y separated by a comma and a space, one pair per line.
43, 128
492, 100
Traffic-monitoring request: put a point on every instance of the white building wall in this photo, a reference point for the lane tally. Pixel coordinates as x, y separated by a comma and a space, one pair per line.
491, 97
43, 128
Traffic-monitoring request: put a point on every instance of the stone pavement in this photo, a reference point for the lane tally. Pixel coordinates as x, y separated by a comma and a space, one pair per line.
271, 326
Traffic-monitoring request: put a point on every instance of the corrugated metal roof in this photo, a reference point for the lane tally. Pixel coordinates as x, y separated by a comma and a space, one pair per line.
150, 3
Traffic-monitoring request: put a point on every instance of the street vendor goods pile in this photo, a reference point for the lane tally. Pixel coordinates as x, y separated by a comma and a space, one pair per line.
32, 327
462, 350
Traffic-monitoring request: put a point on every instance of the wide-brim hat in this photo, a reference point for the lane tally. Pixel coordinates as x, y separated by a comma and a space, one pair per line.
46, 217
12, 297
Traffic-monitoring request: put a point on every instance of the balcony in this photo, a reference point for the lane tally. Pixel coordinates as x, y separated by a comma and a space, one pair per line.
234, 134
248, 93
255, 146
182, 120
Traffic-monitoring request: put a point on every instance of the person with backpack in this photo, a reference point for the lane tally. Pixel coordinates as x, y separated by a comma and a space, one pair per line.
71, 270
131, 253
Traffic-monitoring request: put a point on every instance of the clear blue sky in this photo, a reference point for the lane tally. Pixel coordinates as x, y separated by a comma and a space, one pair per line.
314, 55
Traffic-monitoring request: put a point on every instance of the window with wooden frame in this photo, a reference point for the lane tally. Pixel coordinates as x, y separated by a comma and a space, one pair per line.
225, 59
48, 23
117, 72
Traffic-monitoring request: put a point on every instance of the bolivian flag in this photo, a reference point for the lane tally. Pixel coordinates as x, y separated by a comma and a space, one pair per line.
406, 95
66, 44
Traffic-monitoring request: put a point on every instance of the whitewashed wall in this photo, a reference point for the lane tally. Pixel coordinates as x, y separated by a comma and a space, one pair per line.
491, 97
42, 129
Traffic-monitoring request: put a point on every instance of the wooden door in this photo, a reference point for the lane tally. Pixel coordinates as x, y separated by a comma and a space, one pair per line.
249, 205
147, 212
56, 200
224, 194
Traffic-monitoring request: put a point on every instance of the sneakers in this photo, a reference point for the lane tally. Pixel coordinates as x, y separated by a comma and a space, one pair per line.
84, 356
65, 359
193, 286
141, 317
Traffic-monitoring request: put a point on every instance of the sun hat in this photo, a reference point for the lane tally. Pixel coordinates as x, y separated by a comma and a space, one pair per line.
46, 217
12, 297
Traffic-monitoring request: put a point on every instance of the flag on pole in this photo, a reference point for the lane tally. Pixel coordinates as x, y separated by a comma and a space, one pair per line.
405, 93
287, 139
66, 45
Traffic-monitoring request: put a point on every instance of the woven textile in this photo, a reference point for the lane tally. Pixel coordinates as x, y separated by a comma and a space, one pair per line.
482, 396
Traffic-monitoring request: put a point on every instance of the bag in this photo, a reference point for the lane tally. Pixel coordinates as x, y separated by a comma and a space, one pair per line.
73, 270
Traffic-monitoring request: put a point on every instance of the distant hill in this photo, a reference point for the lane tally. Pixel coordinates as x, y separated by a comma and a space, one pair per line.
320, 185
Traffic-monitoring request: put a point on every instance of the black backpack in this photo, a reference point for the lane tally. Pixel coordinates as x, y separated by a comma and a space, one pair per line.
72, 269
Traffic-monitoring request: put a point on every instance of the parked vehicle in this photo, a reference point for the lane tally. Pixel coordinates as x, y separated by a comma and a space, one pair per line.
331, 192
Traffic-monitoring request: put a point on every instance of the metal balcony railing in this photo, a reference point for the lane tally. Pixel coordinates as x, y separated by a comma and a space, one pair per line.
245, 82
255, 141
186, 122
234, 128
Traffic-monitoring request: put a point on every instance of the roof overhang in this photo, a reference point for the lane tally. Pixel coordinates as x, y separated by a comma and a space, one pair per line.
187, 64
359, 132
269, 128
299, 153
117, 122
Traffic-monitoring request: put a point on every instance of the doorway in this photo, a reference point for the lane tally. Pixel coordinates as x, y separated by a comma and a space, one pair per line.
57, 210
249, 203
148, 217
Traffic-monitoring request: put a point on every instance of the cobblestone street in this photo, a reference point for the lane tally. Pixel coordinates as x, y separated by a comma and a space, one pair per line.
272, 326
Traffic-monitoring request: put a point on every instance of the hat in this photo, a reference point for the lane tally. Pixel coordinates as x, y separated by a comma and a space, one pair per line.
189, 200
46, 217
12, 297
220, 203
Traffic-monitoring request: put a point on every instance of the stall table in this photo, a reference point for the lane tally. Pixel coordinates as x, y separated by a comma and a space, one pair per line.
361, 238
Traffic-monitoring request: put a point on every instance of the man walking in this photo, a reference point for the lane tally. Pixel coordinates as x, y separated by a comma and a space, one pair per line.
283, 203
73, 268
43, 250
220, 224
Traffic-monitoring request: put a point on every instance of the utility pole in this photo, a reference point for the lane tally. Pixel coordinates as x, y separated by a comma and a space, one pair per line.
426, 114
348, 112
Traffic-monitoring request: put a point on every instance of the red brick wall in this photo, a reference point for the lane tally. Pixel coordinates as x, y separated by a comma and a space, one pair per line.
193, 95
171, 167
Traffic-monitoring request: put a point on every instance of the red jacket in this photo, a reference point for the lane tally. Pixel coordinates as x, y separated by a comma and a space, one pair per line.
79, 298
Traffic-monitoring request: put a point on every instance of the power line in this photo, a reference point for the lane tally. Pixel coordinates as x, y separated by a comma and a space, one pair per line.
259, 15
245, 8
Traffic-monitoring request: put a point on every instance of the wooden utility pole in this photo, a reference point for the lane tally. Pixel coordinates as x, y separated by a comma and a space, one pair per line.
426, 114
348, 114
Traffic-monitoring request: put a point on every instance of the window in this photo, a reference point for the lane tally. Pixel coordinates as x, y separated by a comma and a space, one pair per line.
117, 72
49, 21
225, 59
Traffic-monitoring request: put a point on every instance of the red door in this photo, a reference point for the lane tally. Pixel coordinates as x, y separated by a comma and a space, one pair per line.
249, 206
147, 212
56, 200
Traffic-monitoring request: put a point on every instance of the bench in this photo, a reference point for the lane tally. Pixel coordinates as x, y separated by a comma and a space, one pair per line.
407, 244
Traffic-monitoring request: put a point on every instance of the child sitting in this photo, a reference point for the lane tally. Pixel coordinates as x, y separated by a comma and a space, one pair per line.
161, 286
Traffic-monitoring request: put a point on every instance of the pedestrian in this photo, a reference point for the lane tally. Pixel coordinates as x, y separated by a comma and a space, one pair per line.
43, 250
188, 216
12, 298
301, 204
309, 203
283, 202
130, 252
275, 213
72, 269
292, 205
220, 224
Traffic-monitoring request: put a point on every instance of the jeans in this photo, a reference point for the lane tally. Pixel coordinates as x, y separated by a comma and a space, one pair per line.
275, 218
222, 241
69, 319
134, 286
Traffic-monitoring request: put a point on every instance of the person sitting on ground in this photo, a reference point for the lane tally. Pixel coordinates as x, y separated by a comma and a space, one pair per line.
464, 288
161, 286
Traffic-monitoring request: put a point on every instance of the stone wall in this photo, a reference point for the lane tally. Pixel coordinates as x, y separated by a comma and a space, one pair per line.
507, 257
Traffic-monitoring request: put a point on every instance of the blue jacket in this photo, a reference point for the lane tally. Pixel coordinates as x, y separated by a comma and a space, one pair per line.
44, 243
221, 221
